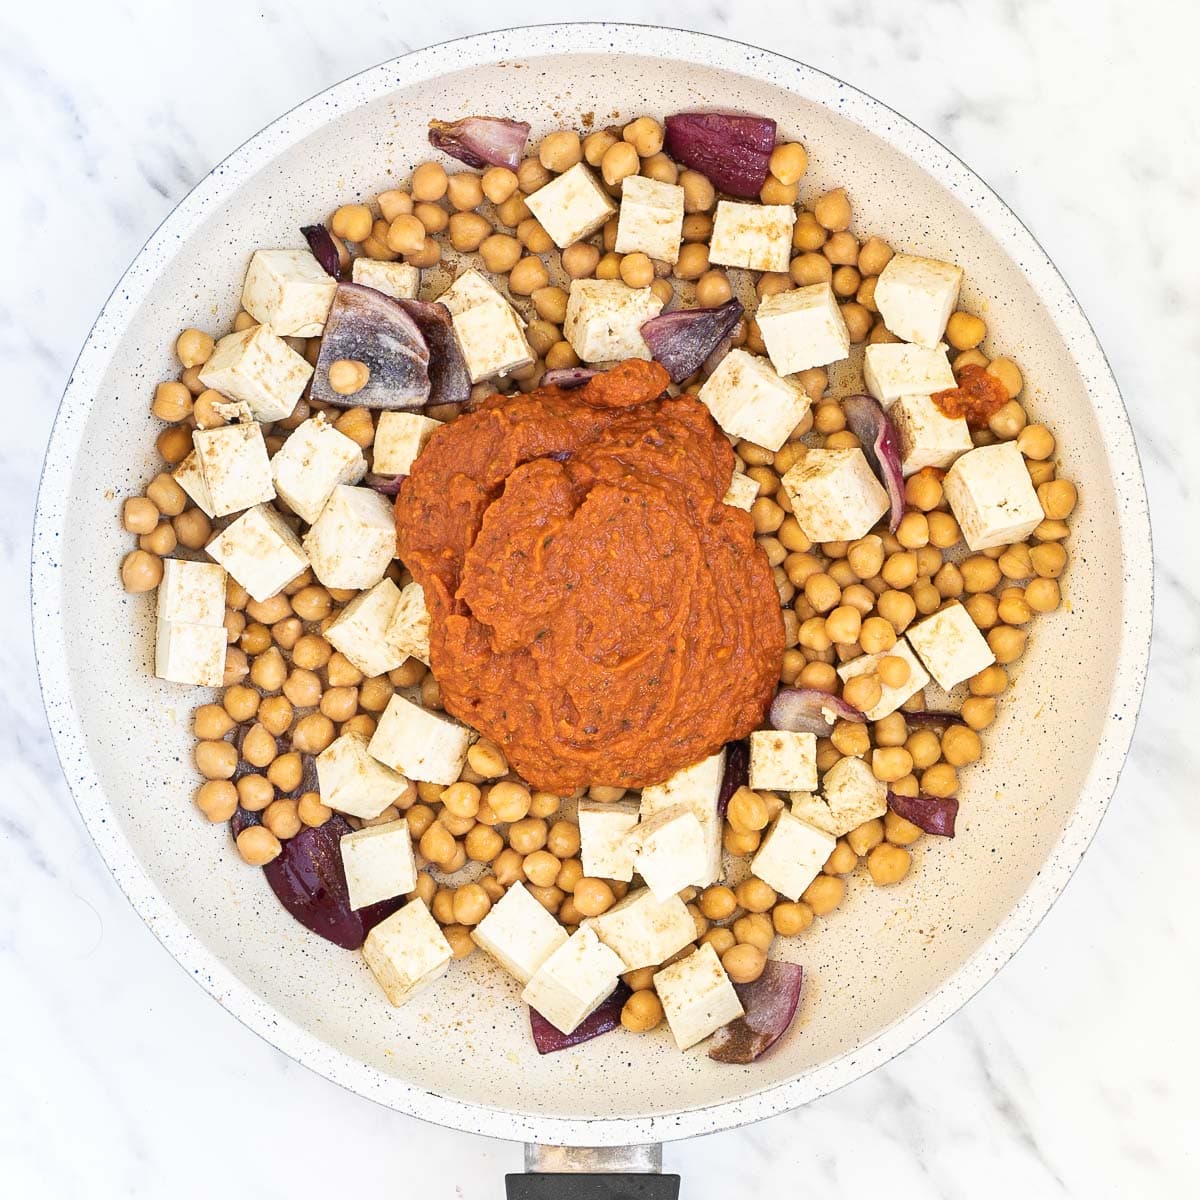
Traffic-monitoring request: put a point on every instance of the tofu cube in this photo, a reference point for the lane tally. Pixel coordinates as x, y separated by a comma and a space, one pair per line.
835, 495
574, 981
189, 477
422, 745
395, 279
992, 496
407, 952
803, 328
651, 218
950, 645
699, 787
489, 332
793, 853
644, 931
669, 850
749, 399
260, 368
353, 782
408, 629
697, 997
379, 863
781, 761
311, 463
260, 551
755, 236
572, 206
895, 369
602, 831
915, 297
189, 653
890, 698
852, 796
468, 290
519, 933
193, 592
743, 491
237, 472
360, 630
928, 438
605, 317
353, 541
399, 438
288, 291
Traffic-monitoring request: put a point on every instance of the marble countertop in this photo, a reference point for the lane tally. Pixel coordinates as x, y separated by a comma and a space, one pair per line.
1074, 1074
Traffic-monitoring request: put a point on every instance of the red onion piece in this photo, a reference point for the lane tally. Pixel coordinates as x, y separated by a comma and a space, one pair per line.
808, 710
481, 141
718, 352
868, 422
682, 340
324, 251
737, 772
732, 149
374, 329
449, 379
548, 1039
933, 720
770, 1003
934, 814
385, 485
568, 377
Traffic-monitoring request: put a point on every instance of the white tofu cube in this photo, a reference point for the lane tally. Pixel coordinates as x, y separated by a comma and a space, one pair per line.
351, 781
928, 438
792, 854
193, 592
697, 997
743, 491
602, 830
395, 279
950, 645
699, 787
288, 291
312, 462
259, 367
604, 319
399, 438
574, 981
189, 477
781, 761
890, 698
237, 472
407, 952
408, 629
915, 297
489, 332
755, 236
519, 933
669, 850
895, 369
835, 495
571, 206
260, 551
852, 796
803, 328
644, 931
360, 630
651, 218
420, 744
992, 496
353, 541
468, 290
749, 399
379, 863
188, 653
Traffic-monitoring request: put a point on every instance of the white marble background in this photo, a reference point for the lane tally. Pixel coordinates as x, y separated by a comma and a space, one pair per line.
1075, 1074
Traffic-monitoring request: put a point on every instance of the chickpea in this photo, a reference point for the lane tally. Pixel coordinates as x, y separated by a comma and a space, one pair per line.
832, 210
544, 804
865, 837
1058, 498
874, 255
741, 844
1007, 642
843, 625
991, 681
141, 571
217, 799
527, 835
821, 591
718, 902
429, 182
311, 811
1036, 442
166, 495
593, 896
470, 904
965, 331
437, 844
357, 425
775, 191
579, 260
744, 963
174, 444
620, 161
712, 289
982, 609
939, 780
500, 252
352, 222
808, 269
893, 671
483, 844
509, 801
513, 211
527, 276
824, 894
789, 161
258, 845
286, 772
406, 234
889, 763
282, 818
1048, 560
754, 895
461, 799
862, 692
139, 514
1043, 595
888, 864
645, 134
562, 840
642, 1012
755, 929
857, 318
637, 270
258, 747
1009, 374
172, 402
498, 184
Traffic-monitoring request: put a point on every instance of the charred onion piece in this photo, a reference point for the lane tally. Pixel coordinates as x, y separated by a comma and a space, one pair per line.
770, 1003
568, 377
737, 773
324, 251
683, 340
808, 710
732, 149
934, 814
934, 720
385, 485
548, 1039
881, 444
481, 141
449, 379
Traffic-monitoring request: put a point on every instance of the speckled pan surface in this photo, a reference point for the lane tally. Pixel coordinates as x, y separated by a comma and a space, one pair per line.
890, 964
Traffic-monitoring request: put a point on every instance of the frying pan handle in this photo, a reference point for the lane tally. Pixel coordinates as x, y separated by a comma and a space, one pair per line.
592, 1173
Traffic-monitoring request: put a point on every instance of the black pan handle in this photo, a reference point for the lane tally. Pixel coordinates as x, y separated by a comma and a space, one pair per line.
592, 1173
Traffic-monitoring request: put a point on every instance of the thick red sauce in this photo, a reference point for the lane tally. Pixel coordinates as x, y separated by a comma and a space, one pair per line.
978, 397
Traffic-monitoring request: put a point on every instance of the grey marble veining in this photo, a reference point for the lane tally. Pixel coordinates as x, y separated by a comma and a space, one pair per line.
1073, 1075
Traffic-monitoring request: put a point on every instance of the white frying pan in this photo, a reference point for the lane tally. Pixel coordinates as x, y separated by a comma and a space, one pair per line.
885, 968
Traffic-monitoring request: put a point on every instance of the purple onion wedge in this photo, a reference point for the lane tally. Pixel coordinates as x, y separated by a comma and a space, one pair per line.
548, 1039
808, 710
385, 485
374, 329
682, 340
568, 378
934, 814
732, 149
737, 772
770, 1003
718, 352
324, 251
868, 422
934, 720
481, 141
449, 379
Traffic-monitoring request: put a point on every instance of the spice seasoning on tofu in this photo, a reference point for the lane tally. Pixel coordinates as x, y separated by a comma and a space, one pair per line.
978, 396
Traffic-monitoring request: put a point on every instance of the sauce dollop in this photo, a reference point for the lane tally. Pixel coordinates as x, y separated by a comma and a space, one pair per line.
595, 608
978, 397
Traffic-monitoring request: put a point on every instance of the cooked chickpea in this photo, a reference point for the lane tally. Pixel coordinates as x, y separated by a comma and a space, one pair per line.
1009, 374
755, 929
645, 134
718, 902
642, 1012
562, 840
889, 763
888, 864
862, 691
843, 625
874, 255
527, 835
865, 837
139, 514
824, 894
500, 252
217, 799
1058, 498
498, 184
991, 681
141, 571
282, 818
744, 963
964, 331
593, 896
893, 671
471, 904
851, 738
527, 276
357, 425
258, 845
754, 895
437, 844
637, 270
510, 802
352, 222
406, 234
808, 269
832, 211
620, 160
